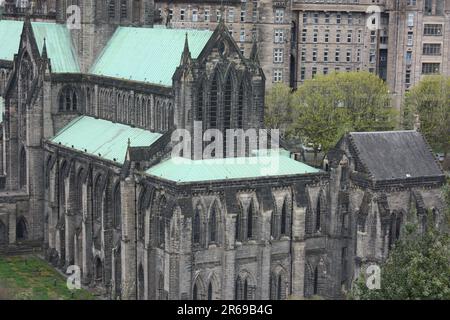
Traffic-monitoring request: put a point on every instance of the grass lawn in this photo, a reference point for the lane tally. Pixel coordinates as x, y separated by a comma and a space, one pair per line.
31, 278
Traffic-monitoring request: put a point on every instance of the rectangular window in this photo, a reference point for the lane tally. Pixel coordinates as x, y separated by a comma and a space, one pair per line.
277, 55
242, 35
432, 49
279, 36
194, 15
432, 30
231, 15
206, 15
242, 15
182, 14
431, 68
279, 15
277, 75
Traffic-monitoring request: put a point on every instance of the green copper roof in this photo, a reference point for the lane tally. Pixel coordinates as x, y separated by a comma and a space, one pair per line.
147, 54
102, 138
10, 32
186, 170
59, 46
57, 38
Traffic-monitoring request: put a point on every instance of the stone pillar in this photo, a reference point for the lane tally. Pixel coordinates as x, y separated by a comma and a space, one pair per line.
128, 197
86, 233
229, 259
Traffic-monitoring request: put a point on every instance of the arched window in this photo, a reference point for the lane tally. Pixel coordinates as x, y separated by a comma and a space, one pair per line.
62, 187
316, 281
318, 215
196, 226
117, 207
243, 288
250, 216
123, 9
98, 197
112, 9
213, 225
141, 214
22, 168
79, 190
68, 99
240, 107
161, 224
283, 227
21, 229
227, 111
280, 288
210, 291
199, 112
245, 291
213, 102
195, 292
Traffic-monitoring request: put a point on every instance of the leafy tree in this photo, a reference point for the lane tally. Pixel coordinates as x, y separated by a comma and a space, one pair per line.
418, 267
430, 101
329, 105
278, 113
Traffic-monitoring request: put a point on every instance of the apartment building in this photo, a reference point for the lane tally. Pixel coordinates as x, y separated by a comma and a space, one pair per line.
268, 23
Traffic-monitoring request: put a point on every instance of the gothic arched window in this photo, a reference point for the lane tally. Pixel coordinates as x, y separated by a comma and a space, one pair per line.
213, 225
213, 102
227, 110
79, 190
196, 227
141, 214
240, 107
22, 168
283, 226
316, 281
68, 99
199, 111
117, 207
318, 213
98, 197
161, 222
210, 291
250, 216
195, 292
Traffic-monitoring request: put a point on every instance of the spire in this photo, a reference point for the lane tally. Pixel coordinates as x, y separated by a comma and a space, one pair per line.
44, 50
222, 13
186, 51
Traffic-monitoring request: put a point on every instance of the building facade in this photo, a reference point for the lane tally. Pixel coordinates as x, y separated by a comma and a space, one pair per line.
88, 172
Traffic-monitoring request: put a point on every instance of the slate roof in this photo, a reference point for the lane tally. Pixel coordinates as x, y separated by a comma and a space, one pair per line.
102, 138
395, 155
148, 55
58, 42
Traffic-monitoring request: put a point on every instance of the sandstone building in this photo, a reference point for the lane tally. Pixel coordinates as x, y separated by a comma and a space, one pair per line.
87, 173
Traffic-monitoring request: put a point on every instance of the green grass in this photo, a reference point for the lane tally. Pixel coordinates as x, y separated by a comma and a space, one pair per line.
31, 278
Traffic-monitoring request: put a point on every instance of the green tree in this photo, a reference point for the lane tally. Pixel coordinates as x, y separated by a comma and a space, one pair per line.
329, 105
430, 102
278, 113
418, 267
